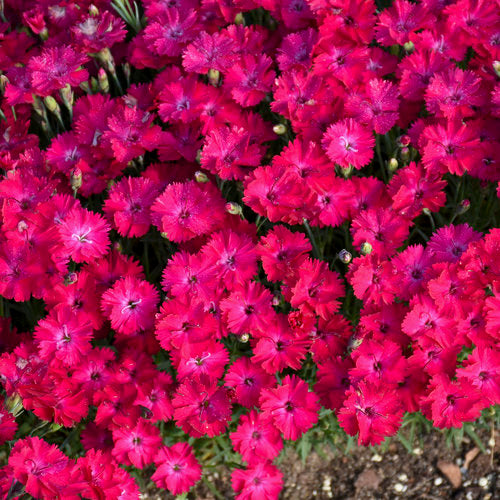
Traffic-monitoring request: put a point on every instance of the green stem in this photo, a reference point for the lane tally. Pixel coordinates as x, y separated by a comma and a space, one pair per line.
316, 252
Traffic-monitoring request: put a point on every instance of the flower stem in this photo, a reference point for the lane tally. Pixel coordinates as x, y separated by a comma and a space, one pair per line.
316, 251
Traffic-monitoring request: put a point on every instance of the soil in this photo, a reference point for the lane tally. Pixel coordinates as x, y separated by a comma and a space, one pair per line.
434, 470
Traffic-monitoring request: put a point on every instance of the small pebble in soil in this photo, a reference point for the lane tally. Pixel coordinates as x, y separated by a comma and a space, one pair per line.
327, 486
483, 482
403, 477
376, 458
417, 451
400, 488
438, 481
491, 443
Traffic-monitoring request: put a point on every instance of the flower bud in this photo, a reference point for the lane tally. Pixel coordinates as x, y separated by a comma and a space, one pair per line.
164, 235
14, 405
392, 165
201, 177
3, 83
346, 172
51, 104
67, 96
463, 207
94, 85
93, 10
365, 248
213, 77
404, 140
70, 278
239, 19
426, 211
276, 300
405, 153
409, 47
76, 179
103, 81
279, 129
496, 67
234, 208
345, 256
85, 87
44, 33
244, 338
127, 71
22, 226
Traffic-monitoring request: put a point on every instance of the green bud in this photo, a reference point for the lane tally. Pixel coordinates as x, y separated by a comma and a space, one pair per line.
213, 77
279, 129
233, 208
201, 177
392, 165
51, 104
103, 81
366, 248
409, 47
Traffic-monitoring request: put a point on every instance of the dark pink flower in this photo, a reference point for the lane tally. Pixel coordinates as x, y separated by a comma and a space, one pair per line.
176, 468
290, 406
349, 144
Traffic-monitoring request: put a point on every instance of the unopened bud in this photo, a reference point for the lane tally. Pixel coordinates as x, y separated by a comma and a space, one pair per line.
426, 211
93, 10
244, 338
405, 153
346, 171
213, 77
3, 83
201, 177
107, 59
70, 278
496, 67
44, 34
14, 405
409, 47
392, 165
85, 87
239, 19
38, 105
127, 71
279, 129
51, 104
276, 300
67, 96
463, 207
94, 85
22, 226
405, 140
164, 235
345, 256
234, 208
76, 179
366, 248
103, 81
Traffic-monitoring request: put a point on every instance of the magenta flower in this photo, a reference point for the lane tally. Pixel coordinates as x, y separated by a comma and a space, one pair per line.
55, 68
176, 468
291, 407
349, 144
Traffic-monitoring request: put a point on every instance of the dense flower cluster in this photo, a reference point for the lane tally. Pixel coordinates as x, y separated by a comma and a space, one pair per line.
178, 199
